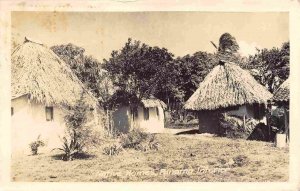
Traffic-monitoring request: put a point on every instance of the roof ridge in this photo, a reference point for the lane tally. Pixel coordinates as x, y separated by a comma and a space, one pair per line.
26, 39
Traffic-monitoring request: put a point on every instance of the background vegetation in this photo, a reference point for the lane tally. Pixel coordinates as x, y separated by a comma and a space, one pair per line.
139, 70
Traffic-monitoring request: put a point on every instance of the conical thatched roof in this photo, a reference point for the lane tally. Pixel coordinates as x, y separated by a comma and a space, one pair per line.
41, 74
282, 94
227, 85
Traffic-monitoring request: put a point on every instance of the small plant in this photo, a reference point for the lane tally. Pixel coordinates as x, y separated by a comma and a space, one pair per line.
153, 144
34, 146
112, 149
71, 147
144, 146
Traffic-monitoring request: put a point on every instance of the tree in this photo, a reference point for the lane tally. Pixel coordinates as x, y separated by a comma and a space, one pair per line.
228, 48
191, 70
86, 68
91, 74
227, 43
271, 66
138, 71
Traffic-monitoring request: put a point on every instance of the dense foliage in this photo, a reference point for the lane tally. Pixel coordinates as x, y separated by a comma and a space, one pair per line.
271, 66
138, 70
88, 70
190, 70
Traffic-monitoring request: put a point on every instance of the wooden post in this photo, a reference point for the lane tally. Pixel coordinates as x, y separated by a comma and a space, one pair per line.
131, 117
269, 110
282, 139
286, 124
107, 122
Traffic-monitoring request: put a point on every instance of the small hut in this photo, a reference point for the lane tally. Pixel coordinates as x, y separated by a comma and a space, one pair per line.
42, 88
227, 88
282, 99
149, 116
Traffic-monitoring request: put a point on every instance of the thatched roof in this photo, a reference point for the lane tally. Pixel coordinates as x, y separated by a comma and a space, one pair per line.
153, 102
227, 85
282, 94
41, 74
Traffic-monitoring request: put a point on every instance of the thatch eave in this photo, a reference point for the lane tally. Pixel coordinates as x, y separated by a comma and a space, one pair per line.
153, 102
282, 94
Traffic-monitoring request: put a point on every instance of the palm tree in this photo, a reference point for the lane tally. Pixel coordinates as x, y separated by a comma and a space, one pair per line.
228, 47
227, 43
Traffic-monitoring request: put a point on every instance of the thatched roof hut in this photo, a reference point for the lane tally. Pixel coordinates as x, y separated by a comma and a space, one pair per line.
282, 94
43, 76
227, 85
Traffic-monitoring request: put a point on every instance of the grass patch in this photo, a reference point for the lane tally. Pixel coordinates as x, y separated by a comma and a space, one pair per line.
179, 158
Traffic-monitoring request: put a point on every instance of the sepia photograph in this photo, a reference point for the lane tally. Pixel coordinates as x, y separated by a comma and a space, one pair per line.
150, 96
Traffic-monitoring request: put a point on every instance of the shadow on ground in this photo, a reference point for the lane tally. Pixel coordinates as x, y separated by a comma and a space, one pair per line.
188, 132
80, 156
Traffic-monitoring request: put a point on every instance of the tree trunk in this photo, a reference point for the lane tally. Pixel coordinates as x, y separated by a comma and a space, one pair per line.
111, 122
107, 122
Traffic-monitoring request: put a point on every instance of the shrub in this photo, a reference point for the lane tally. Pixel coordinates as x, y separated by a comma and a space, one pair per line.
34, 146
78, 137
133, 138
262, 133
139, 140
233, 127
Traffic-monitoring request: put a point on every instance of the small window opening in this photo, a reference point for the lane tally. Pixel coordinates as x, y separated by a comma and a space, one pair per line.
256, 108
134, 113
11, 111
157, 113
49, 113
146, 113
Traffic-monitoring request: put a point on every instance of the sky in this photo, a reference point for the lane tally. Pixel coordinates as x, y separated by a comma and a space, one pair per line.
99, 33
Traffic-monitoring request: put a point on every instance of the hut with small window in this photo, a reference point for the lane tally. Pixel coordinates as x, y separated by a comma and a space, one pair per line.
281, 99
43, 87
228, 89
148, 115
